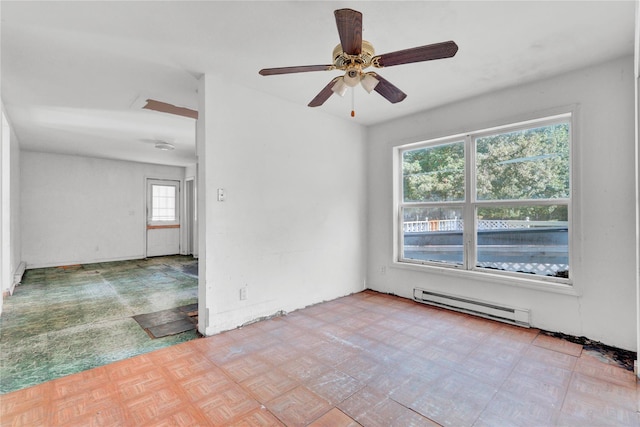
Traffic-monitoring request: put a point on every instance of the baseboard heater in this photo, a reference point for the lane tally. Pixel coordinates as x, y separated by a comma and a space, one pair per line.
511, 315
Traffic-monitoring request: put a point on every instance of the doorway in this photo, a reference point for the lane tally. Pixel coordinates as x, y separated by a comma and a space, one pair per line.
189, 223
163, 217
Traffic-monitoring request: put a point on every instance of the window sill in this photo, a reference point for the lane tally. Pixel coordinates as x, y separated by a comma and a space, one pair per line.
521, 282
159, 226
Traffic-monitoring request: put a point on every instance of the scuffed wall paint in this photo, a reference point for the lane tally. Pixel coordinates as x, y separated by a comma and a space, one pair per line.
292, 228
604, 242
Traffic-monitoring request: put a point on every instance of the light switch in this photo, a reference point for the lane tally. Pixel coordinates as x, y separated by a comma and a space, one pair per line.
221, 194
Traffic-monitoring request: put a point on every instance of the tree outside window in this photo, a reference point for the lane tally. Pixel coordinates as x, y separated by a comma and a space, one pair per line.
508, 202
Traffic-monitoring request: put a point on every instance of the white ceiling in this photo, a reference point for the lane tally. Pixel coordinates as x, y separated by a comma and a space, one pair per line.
74, 73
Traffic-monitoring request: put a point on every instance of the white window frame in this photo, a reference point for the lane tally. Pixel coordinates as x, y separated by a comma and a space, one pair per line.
177, 201
470, 204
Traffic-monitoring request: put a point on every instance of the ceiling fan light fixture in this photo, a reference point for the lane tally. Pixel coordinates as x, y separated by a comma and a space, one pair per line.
351, 78
340, 87
369, 82
164, 146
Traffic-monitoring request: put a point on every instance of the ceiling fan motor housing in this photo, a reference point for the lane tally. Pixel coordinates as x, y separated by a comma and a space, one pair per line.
342, 60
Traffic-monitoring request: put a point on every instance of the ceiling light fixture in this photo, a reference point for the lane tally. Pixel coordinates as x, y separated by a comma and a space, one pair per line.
369, 82
351, 79
340, 87
164, 146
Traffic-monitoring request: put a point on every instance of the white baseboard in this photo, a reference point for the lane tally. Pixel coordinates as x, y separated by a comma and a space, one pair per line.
87, 261
17, 276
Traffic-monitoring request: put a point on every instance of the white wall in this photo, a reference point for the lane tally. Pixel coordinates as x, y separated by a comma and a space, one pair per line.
16, 216
603, 264
10, 218
5, 208
191, 172
292, 228
83, 210
636, 92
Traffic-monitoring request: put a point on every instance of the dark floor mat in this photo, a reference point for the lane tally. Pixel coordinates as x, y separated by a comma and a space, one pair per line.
189, 308
169, 322
158, 318
171, 328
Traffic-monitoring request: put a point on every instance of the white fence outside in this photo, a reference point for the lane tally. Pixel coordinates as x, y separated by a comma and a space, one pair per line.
483, 224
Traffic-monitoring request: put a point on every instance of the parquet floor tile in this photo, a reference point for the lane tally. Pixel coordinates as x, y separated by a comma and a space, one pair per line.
550, 357
78, 408
205, 384
557, 344
258, 418
306, 369
334, 418
535, 389
186, 416
245, 367
298, 407
595, 368
510, 409
334, 386
187, 366
142, 383
126, 368
269, 385
227, 405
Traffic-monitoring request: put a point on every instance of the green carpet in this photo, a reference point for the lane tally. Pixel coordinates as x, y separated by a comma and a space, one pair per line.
64, 320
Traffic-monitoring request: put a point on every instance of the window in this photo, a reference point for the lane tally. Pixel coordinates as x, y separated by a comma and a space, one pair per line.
163, 202
497, 200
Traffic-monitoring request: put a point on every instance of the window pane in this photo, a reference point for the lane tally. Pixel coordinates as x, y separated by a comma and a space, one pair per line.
163, 203
526, 239
433, 234
526, 164
434, 173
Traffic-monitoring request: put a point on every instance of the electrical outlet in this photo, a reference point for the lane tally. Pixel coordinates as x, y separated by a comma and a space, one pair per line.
383, 269
243, 293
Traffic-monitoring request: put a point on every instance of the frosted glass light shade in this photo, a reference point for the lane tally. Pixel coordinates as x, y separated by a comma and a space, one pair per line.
351, 78
340, 87
369, 82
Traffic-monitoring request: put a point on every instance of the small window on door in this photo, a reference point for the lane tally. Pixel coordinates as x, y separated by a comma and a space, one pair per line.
163, 203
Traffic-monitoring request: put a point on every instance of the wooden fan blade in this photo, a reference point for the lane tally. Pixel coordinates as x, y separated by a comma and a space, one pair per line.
349, 24
388, 90
416, 54
324, 94
291, 70
164, 107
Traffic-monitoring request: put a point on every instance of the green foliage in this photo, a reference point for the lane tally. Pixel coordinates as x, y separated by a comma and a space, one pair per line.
530, 164
434, 173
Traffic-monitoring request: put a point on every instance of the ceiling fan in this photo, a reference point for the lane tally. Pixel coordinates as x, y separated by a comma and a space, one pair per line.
160, 144
353, 55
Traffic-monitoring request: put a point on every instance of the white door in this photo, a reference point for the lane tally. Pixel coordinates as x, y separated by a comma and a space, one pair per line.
163, 219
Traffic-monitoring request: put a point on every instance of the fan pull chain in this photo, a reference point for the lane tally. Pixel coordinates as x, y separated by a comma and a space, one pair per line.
353, 101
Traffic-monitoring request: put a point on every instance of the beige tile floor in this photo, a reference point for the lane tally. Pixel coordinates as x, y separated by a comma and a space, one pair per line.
367, 359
